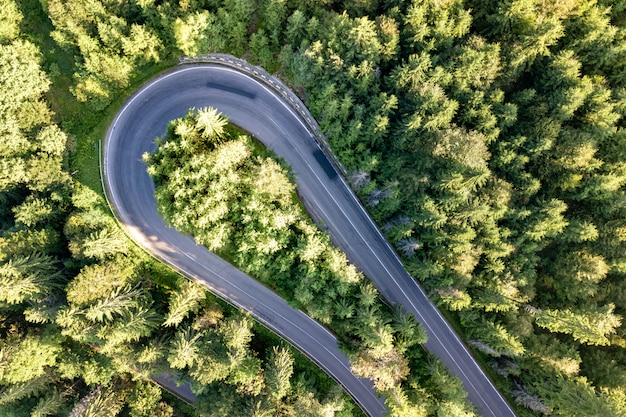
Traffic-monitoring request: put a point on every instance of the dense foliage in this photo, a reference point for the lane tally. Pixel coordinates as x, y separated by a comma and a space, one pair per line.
215, 183
493, 156
85, 320
485, 136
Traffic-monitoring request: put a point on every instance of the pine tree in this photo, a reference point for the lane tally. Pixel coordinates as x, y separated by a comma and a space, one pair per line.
28, 278
591, 325
278, 373
184, 301
386, 370
185, 350
198, 33
53, 403
10, 19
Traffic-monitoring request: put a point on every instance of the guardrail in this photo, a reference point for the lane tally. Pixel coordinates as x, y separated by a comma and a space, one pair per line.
302, 111
293, 101
278, 86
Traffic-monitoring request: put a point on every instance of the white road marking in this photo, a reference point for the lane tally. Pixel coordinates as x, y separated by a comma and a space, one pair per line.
273, 327
140, 238
391, 251
358, 203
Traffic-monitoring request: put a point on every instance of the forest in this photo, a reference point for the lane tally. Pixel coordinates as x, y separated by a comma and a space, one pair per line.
220, 185
485, 137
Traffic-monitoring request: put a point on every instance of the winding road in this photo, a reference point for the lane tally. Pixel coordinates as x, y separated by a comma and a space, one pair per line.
256, 107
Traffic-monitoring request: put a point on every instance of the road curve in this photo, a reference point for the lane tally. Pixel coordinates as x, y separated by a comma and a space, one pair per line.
131, 193
256, 108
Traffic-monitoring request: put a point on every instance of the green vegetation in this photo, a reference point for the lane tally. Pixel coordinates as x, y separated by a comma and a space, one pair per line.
489, 146
218, 184
86, 319
486, 137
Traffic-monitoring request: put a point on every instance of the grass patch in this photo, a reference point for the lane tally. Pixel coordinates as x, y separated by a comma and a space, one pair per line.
89, 128
84, 125
85, 159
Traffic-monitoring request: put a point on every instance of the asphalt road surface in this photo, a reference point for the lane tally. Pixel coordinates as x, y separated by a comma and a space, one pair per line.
256, 108
131, 193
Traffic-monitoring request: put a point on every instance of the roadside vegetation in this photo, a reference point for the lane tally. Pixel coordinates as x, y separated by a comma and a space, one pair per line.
486, 138
219, 185
86, 319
